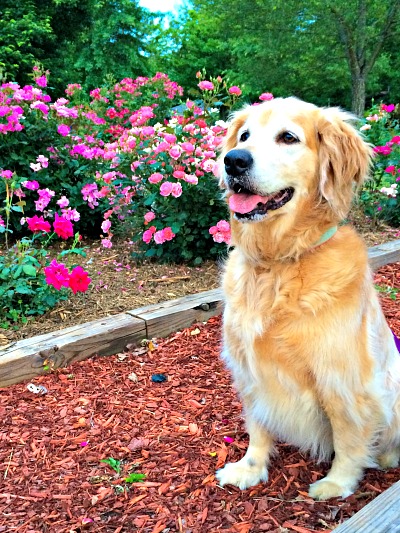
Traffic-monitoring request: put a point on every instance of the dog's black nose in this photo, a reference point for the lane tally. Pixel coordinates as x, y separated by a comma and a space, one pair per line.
237, 162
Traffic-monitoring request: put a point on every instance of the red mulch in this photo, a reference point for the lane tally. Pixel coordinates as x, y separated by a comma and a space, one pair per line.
51, 445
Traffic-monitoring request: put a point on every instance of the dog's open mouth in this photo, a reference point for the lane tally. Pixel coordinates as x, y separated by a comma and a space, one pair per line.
250, 206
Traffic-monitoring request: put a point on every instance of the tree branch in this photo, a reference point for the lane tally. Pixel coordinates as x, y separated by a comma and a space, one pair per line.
390, 18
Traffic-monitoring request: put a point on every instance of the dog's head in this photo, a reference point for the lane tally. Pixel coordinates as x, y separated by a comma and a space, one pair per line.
281, 152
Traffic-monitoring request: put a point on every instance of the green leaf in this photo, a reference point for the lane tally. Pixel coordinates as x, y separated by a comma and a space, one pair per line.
115, 464
135, 477
29, 270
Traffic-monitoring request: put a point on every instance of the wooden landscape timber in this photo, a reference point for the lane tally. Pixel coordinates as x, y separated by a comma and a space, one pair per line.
382, 515
28, 358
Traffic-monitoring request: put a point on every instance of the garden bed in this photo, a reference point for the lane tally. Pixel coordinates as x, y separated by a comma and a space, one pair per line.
51, 446
120, 284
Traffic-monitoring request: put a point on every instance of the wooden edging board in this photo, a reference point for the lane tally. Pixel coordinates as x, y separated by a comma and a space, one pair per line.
382, 515
28, 358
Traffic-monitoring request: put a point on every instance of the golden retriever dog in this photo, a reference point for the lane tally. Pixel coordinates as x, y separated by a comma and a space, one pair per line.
311, 354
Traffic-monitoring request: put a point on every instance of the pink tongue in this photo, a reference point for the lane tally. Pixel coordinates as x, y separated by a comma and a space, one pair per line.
244, 203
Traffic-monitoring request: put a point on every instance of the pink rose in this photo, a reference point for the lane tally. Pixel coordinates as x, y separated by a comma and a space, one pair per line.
194, 180
106, 243
223, 226
166, 188
149, 216
156, 177
170, 138
147, 236
266, 96
168, 234
63, 130
159, 237
187, 147
105, 226
7, 174
175, 151
206, 85
235, 90
176, 190
63, 227
179, 174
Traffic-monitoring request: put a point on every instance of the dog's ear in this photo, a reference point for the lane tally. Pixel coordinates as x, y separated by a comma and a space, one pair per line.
344, 159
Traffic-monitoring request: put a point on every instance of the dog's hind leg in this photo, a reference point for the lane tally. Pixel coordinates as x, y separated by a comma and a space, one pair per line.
253, 467
355, 422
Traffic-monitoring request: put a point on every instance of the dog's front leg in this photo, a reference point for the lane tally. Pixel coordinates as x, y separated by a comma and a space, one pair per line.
354, 419
253, 468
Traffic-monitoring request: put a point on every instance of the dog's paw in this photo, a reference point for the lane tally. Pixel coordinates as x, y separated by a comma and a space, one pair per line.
325, 489
242, 474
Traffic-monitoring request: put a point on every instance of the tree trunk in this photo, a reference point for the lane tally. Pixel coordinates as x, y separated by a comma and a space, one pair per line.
358, 95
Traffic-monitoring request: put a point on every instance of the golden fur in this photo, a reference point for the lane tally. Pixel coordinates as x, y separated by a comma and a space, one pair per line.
312, 357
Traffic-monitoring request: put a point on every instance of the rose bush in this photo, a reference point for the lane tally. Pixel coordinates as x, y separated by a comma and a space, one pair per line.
380, 196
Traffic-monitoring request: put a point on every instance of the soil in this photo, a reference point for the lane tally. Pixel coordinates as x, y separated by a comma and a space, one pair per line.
120, 284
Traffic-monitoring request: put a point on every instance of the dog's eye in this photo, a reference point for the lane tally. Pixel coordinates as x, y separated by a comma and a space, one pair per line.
245, 135
287, 138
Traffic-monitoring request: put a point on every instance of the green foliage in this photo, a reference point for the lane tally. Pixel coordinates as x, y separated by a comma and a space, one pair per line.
391, 292
81, 40
135, 477
314, 50
115, 464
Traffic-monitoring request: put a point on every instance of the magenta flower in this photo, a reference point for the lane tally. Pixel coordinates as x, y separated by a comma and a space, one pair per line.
391, 169
41, 81
7, 174
79, 280
206, 85
63, 227
32, 185
266, 96
148, 234
56, 275
235, 90
63, 130
388, 108
36, 223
